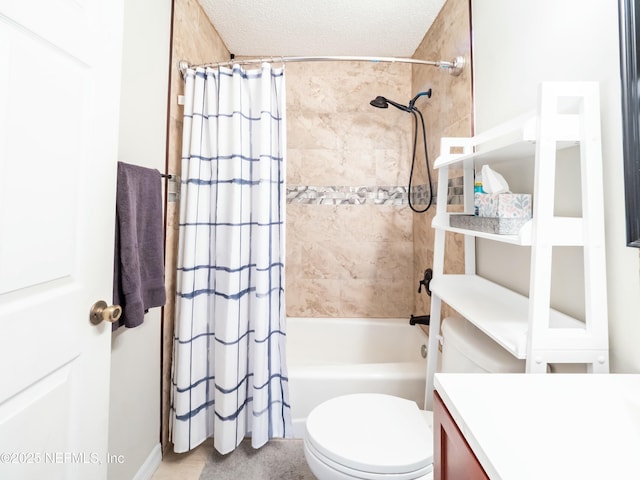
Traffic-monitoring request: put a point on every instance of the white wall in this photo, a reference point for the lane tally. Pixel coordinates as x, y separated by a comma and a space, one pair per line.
134, 414
516, 45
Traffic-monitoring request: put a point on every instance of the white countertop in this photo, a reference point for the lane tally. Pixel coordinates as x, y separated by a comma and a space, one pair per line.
556, 426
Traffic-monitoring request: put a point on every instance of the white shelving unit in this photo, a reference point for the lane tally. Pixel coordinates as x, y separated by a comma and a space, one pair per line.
568, 114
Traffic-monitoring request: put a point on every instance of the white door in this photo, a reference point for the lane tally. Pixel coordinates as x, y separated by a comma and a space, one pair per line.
59, 100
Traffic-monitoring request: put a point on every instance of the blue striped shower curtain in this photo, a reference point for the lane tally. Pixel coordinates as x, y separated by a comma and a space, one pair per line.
229, 368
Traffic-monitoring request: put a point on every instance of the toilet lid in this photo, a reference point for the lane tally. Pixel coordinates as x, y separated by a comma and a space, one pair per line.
372, 433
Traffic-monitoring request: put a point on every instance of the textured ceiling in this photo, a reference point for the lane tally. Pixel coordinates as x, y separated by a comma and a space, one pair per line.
382, 28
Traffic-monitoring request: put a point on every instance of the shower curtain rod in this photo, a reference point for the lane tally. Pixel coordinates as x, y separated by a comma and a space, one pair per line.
453, 67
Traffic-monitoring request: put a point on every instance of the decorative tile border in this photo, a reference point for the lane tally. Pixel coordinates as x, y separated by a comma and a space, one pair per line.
367, 195
455, 195
420, 194
338, 195
361, 195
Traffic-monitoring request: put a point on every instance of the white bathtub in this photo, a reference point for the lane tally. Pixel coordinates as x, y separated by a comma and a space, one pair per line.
328, 357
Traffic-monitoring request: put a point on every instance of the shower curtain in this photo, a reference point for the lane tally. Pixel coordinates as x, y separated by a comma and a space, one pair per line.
229, 368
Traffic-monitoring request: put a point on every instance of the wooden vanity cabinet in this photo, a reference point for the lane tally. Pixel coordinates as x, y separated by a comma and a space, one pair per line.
453, 459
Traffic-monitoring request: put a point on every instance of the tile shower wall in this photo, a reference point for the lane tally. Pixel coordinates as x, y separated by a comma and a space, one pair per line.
349, 230
448, 113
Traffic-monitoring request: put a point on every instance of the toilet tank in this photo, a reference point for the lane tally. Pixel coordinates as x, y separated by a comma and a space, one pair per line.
466, 349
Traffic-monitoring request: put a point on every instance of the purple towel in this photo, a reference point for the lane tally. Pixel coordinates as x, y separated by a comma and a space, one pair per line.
138, 280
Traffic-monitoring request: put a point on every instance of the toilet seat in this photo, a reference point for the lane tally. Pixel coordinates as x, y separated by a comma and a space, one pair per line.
318, 463
371, 436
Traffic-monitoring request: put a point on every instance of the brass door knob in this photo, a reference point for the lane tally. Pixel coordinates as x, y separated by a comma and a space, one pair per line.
100, 311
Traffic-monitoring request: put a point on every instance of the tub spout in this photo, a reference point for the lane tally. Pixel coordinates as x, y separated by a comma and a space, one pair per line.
421, 319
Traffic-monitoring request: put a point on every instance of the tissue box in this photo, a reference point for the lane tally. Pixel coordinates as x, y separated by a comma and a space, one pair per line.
503, 205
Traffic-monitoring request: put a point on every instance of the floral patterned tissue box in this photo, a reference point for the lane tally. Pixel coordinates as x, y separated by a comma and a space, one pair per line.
503, 205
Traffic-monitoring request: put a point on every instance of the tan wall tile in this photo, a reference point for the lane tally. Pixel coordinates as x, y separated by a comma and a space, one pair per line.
312, 297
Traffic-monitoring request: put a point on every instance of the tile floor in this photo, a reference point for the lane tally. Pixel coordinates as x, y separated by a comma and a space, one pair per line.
184, 466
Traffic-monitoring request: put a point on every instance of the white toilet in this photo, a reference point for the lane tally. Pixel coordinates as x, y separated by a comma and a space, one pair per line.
375, 436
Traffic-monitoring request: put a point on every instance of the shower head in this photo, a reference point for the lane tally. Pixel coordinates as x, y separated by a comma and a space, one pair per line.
382, 102
379, 102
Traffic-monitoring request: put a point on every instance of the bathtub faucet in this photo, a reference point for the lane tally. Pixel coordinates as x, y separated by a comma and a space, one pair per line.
421, 319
